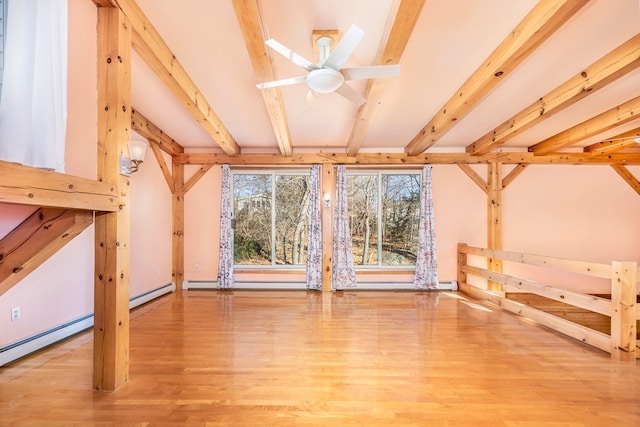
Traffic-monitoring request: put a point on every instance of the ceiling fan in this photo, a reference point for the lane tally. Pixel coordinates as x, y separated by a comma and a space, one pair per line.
327, 75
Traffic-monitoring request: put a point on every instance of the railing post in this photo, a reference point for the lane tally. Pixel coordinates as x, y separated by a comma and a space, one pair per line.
623, 310
462, 261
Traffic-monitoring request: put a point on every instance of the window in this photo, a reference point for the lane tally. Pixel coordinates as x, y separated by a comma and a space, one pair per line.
384, 209
271, 218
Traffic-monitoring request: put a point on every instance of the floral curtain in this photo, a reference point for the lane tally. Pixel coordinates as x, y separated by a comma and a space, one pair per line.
344, 273
426, 276
225, 264
314, 251
33, 110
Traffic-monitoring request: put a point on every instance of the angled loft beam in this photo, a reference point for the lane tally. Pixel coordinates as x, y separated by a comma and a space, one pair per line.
628, 177
196, 177
36, 239
37, 187
612, 66
610, 119
157, 153
543, 20
402, 26
146, 128
474, 177
252, 27
148, 43
515, 172
617, 143
401, 159
158, 140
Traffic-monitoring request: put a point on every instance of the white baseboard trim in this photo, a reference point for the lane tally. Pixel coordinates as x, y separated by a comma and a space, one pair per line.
151, 295
36, 342
365, 286
242, 285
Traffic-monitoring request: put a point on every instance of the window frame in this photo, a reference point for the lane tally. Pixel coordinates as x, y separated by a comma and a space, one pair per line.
379, 173
306, 171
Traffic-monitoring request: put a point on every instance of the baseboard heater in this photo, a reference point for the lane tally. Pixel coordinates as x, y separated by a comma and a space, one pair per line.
36, 342
268, 285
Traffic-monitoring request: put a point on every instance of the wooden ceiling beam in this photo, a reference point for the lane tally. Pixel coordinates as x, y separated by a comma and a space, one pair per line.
404, 160
252, 27
405, 19
610, 119
543, 20
612, 145
153, 133
604, 71
148, 43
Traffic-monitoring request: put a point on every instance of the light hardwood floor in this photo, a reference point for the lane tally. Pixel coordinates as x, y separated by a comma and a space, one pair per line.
247, 358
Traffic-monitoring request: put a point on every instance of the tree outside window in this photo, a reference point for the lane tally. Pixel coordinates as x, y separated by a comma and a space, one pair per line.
384, 209
271, 218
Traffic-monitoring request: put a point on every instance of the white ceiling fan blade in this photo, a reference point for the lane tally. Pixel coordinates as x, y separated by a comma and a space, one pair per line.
344, 48
370, 72
348, 93
299, 60
283, 82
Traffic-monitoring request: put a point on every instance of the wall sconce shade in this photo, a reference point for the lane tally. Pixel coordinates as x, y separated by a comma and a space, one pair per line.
137, 151
327, 199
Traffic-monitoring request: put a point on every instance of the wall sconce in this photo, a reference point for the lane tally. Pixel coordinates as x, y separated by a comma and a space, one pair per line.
137, 151
327, 199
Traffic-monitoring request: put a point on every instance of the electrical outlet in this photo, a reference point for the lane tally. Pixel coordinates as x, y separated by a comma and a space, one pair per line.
196, 267
15, 313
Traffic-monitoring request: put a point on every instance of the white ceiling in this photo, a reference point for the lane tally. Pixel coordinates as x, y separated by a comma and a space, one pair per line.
450, 41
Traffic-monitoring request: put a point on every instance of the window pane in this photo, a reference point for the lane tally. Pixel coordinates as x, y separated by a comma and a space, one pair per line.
362, 193
400, 214
252, 208
292, 205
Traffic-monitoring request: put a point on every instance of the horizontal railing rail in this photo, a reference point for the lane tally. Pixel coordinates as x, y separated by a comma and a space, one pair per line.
621, 308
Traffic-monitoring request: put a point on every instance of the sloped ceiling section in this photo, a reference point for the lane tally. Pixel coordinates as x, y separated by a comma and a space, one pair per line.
477, 76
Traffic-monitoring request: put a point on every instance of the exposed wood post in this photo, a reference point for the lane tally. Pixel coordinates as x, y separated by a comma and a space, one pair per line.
494, 219
111, 282
327, 186
462, 261
177, 251
623, 310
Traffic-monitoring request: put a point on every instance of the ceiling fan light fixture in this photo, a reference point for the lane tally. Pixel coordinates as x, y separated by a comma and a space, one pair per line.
325, 80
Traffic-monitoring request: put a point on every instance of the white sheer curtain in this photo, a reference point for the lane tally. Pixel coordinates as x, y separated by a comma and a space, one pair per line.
314, 251
33, 108
344, 273
426, 276
225, 263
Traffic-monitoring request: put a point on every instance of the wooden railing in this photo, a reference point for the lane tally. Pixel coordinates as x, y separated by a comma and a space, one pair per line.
622, 342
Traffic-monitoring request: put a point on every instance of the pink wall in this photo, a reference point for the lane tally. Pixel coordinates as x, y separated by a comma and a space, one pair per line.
61, 289
151, 227
202, 225
587, 213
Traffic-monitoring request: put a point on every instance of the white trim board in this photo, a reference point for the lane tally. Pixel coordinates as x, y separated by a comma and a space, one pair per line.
268, 285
